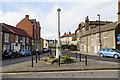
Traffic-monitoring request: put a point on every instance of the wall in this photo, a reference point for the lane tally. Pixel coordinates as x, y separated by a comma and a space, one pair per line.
90, 43
45, 44
0, 40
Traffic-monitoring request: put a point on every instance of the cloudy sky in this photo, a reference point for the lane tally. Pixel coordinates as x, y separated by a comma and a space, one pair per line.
45, 11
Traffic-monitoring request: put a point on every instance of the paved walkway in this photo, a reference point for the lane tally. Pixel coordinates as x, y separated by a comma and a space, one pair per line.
45, 66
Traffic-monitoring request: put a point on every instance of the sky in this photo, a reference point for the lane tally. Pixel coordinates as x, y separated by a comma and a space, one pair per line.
45, 11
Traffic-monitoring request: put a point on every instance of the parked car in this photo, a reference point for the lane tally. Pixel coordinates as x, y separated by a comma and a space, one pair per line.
49, 50
11, 54
109, 52
24, 52
35, 51
44, 50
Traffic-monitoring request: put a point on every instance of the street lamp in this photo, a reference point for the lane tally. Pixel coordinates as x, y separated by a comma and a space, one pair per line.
99, 32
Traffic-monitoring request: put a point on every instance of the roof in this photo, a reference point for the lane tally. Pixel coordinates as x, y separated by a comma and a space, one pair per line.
67, 35
16, 30
32, 20
74, 39
5, 29
106, 27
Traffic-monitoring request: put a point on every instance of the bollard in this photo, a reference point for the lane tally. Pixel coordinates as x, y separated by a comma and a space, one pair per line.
32, 61
59, 60
36, 58
76, 55
55, 52
86, 60
80, 56
39, 56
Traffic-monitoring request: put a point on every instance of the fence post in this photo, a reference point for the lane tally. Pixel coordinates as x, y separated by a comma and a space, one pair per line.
76, 55
36, 58
59, 60
32, 61
86, 60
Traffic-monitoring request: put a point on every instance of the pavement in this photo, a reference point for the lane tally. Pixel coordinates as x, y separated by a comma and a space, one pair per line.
42, 66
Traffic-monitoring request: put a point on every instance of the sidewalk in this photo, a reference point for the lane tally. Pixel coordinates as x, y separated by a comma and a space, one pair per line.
42, 66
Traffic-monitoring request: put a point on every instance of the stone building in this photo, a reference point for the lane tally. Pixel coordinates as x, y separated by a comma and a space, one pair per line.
33, 28
89, 36
89, 42
0, 40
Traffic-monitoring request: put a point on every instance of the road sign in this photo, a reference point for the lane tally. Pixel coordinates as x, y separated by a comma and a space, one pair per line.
118, 37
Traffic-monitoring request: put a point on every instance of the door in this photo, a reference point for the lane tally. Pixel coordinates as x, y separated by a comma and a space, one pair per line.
110, 52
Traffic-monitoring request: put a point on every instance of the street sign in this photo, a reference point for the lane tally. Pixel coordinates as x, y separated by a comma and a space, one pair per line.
118, 37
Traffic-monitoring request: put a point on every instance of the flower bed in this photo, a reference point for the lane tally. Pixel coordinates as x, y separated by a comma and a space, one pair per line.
63, 60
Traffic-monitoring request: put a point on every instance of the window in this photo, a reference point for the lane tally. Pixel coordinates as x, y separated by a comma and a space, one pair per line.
6, 37
97, 36
16, 38
27, 40
92, 37
23, 39
105, 34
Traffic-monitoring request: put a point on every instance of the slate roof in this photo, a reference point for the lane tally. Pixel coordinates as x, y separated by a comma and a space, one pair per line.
106, 27
15, 30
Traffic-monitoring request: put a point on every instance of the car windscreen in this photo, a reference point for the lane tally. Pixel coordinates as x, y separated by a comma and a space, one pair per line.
116, 50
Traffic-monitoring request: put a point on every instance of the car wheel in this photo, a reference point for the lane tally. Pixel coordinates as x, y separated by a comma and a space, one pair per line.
12, 57
25, 55
116, 56
101, 55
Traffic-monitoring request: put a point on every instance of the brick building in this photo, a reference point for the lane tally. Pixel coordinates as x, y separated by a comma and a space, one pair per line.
14, 38
32, 27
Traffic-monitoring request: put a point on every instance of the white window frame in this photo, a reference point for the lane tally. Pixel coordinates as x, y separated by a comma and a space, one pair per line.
23, 39
27, 40
97, 36
6, 37
16, 38
105, 34
92, 36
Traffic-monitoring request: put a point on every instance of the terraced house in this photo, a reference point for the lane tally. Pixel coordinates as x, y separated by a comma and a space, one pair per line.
32, 28
91, 38
14, 38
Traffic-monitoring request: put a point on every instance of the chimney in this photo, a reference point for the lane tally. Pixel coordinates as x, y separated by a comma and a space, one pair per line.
69, 32
64, 33
86, 23
27, 17
118, 11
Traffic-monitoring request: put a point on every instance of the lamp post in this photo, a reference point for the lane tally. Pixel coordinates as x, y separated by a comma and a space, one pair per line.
58, 50
99, 32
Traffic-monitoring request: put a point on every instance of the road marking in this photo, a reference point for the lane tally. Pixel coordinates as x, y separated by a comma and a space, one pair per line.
59, 72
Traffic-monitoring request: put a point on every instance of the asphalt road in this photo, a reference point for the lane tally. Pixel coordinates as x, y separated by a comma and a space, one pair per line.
109, 59
65, 74
27, 58
8, 61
